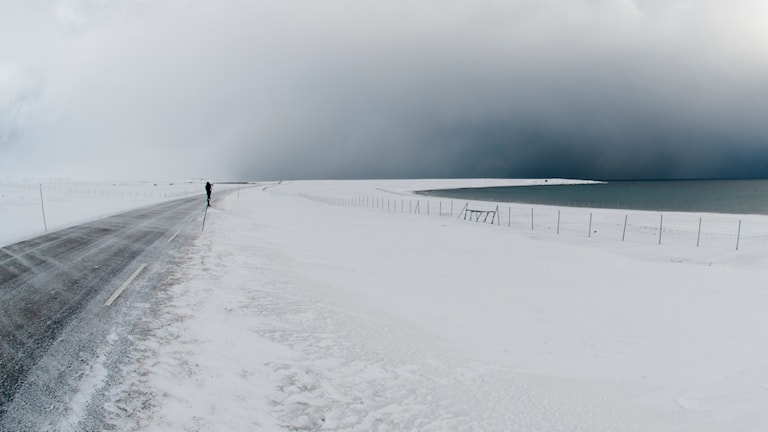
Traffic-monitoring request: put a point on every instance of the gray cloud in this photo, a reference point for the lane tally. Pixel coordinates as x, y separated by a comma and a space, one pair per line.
351, 89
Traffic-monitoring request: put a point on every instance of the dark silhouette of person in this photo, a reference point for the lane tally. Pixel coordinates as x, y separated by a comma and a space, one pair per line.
208, 189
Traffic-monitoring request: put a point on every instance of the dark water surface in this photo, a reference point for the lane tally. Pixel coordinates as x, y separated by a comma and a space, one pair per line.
705, 196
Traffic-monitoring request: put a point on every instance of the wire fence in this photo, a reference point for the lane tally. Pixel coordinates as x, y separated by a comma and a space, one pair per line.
723, 231
33, 208
168, 190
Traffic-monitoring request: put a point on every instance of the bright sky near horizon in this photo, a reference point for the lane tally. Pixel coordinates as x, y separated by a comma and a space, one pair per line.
268, 89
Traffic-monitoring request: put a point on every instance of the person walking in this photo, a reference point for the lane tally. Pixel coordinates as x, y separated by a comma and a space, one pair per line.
208, 189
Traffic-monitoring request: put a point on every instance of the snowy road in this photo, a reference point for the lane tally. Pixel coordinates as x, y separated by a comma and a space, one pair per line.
53, 319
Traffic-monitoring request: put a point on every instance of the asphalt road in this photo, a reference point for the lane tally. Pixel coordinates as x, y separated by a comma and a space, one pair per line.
53, 317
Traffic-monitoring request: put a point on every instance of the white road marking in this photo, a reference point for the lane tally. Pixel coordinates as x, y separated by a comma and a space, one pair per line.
124, 285
174, 236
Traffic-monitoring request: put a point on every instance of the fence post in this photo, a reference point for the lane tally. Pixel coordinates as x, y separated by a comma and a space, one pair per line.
509, 221
531, 218
738, 235
558, 221
698, 236
440, 208
624, 231
42, 206
661, 227
427, 207
589, 234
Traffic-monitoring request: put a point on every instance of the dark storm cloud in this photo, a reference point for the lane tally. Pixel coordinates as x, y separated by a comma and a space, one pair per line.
356, 89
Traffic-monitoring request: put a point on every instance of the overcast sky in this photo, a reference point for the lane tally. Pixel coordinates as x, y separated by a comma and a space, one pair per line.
290, 89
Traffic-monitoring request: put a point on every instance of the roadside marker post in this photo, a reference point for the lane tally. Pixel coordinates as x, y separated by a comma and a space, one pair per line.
42, 206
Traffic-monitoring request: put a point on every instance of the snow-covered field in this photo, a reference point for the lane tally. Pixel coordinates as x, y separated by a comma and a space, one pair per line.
302, 306
294, 314
29, 208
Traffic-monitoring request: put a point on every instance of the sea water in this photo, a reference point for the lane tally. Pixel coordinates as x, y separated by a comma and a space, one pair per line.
705, 196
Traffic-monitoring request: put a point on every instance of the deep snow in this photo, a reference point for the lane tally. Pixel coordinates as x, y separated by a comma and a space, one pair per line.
295, 314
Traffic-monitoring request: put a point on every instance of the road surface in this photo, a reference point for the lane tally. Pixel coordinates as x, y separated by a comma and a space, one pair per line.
54, 319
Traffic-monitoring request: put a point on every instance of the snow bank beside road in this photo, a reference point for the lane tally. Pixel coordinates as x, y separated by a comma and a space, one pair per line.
296, 315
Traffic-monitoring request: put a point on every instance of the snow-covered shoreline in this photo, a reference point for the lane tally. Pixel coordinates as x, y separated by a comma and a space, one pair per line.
416, 185
294, 314
675, 228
